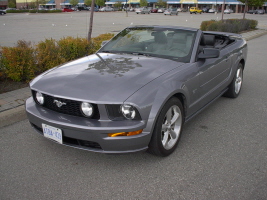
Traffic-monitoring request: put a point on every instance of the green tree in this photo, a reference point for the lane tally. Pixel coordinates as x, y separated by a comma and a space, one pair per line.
31, 5
118, 4
74, 2
12, 3
143, 3
161, 3
251, 3
88, 2
100, 3
43, 2
36, 3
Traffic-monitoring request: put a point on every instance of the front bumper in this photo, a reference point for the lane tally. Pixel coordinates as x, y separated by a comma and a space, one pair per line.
90, 134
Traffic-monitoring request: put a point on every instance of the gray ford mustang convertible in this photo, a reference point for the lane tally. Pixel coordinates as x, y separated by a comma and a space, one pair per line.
138, 90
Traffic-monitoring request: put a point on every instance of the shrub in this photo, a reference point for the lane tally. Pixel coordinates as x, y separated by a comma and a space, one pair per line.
48, 55
18, 62
45, 11
17, 11
72, 48
206, 24
24, 62
229, 25
253, 24
97, 41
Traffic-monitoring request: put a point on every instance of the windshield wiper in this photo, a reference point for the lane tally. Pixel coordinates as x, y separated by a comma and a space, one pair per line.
125, 52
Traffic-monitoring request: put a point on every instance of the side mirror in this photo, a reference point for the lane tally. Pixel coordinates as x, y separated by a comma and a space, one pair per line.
104, 42
209, 53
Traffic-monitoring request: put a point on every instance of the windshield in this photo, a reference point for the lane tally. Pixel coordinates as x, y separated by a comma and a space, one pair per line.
173, 44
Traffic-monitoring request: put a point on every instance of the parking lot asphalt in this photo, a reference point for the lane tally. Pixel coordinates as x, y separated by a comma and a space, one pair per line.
38, 27
12, 103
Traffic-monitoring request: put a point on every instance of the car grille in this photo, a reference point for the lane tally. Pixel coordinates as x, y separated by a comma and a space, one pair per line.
72, 107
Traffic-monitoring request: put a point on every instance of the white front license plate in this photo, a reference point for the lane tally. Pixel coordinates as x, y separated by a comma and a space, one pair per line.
52, 133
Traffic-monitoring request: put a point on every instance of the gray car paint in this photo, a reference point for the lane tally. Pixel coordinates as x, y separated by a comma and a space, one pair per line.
147, 84
113, 71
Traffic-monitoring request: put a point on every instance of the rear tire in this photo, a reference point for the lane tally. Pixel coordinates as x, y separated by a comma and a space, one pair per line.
168, 128
236, 84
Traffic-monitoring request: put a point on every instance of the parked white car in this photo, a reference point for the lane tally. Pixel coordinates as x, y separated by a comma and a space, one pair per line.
228, 11
106, 9
161, 10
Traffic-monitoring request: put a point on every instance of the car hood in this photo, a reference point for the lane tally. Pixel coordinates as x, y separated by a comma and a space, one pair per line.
102, 77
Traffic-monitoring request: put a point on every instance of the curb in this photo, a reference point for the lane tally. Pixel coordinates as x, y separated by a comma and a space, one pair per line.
256, 36
12, 116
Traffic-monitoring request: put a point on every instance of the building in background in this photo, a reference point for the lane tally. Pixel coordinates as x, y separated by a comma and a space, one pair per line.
234, 5
3, 4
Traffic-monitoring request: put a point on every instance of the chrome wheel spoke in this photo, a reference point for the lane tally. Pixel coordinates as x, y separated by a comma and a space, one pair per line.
171, 127
173, 134
169, 116
164, 128
238, 73
238, 81
165, 139
175, 116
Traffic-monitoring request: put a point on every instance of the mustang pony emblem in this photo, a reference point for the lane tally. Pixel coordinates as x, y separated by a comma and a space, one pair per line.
59, 103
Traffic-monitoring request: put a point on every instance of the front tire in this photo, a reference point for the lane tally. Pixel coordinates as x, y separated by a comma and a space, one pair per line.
168, 128
236, 84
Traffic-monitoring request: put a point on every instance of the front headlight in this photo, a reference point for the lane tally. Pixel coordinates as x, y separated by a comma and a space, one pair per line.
87, 109
128, 111
118, 112
39, 97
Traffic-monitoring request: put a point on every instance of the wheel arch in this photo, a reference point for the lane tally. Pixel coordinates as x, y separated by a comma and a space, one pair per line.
242, 61
183, 100
179, 95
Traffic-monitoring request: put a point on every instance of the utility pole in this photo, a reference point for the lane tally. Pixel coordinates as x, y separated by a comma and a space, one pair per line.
223, 9
91, 21
126, 8
245, 9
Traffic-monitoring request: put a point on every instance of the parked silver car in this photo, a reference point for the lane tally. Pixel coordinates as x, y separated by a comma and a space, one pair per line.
143, 11
137, 91
213, 11
259, 11
171, 11
2, 12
